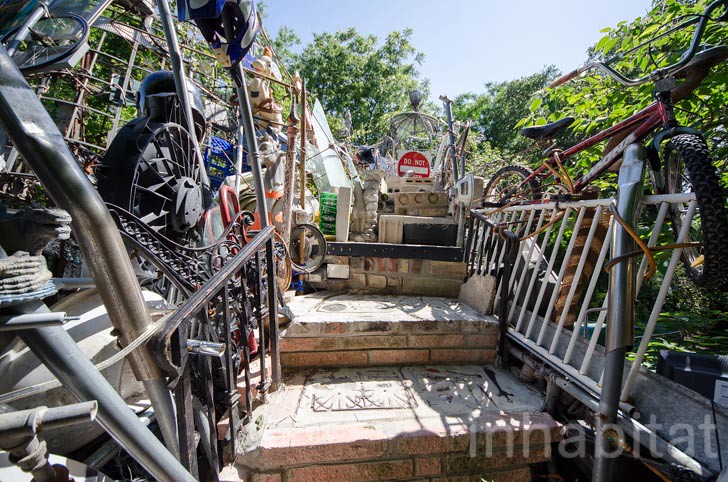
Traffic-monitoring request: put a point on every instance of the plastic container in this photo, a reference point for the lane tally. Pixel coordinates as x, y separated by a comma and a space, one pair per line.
327, 217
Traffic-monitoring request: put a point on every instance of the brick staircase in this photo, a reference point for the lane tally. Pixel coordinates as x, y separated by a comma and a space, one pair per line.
393, 388
334, 330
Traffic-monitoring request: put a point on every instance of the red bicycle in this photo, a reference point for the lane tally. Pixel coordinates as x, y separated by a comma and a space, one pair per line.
686, 165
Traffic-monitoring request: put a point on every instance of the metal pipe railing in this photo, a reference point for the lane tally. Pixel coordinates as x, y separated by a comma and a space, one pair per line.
620, 326
42, 146
539, 226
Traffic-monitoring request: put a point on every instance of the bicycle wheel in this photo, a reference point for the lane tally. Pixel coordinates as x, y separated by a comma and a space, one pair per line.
689, 168
50, 40
509, 184
284, 269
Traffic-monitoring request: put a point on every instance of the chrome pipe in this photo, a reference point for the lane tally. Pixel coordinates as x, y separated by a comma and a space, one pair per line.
35, 420
55, 348
620, 312
206, 348
32, 320
246, 119
73, 283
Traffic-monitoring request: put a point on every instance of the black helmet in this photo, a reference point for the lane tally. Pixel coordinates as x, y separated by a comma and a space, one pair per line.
157, 99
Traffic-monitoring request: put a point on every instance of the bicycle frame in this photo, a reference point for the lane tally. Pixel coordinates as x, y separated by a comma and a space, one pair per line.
640, 124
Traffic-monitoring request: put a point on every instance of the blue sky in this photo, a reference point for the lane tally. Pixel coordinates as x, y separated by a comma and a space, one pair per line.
467, 42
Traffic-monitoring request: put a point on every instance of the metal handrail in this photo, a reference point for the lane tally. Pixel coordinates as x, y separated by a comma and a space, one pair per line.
479, 229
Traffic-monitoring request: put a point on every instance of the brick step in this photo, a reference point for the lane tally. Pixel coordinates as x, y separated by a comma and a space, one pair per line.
223, 425
439, 422
331, 330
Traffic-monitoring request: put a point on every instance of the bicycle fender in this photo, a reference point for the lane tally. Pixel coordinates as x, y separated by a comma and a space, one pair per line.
655, 147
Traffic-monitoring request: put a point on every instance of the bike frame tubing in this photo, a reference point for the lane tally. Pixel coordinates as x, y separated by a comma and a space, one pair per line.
56, 349
640, 123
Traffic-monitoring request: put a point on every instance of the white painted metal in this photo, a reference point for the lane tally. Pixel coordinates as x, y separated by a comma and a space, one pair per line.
562, 271
522, 280
577, 273
582, 319
549, 268
553, 342
657, 307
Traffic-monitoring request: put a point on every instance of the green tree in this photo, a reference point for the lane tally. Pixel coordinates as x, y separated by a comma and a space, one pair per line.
598, 102
496, 111
350, 71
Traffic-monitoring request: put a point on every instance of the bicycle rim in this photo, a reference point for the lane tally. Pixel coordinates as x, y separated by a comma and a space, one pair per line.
51, 40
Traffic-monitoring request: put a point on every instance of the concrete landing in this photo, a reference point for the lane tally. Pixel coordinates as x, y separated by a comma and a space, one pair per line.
334, 330
436, 422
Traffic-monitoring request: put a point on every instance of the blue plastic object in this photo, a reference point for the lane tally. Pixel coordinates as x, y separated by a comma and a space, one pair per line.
220, 162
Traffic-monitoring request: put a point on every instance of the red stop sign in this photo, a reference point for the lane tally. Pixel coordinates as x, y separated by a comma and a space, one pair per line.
413, 161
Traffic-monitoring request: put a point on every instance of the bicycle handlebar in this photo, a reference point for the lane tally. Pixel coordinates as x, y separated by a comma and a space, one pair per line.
659, 73
565, 78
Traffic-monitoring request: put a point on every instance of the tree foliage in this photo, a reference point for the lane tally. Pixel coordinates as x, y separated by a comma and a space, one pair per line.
350, 71
496, 111
494, 114
598, 101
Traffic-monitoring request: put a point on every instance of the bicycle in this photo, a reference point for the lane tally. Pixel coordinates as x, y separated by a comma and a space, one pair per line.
45, 40
687, 163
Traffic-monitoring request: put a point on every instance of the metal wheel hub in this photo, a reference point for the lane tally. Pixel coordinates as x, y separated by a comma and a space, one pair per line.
187, 205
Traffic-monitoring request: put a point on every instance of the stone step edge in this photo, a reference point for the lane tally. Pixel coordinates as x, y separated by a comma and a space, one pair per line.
416, 469
518, 438
365, 342
302, 328
381, 357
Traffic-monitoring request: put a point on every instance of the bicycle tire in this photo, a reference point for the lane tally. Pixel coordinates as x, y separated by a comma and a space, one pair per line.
284, 267
501, 187
688, 154
76, 36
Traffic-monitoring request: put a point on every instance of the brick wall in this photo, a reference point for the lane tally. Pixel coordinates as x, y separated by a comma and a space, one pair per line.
374, 343
398, 276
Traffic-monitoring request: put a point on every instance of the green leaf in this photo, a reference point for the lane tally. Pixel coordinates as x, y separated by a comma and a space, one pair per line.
536, 104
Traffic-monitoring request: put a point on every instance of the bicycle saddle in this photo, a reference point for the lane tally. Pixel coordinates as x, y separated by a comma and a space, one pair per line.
548, 130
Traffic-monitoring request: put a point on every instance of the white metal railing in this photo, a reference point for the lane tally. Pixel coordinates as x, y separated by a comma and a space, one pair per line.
538, 280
